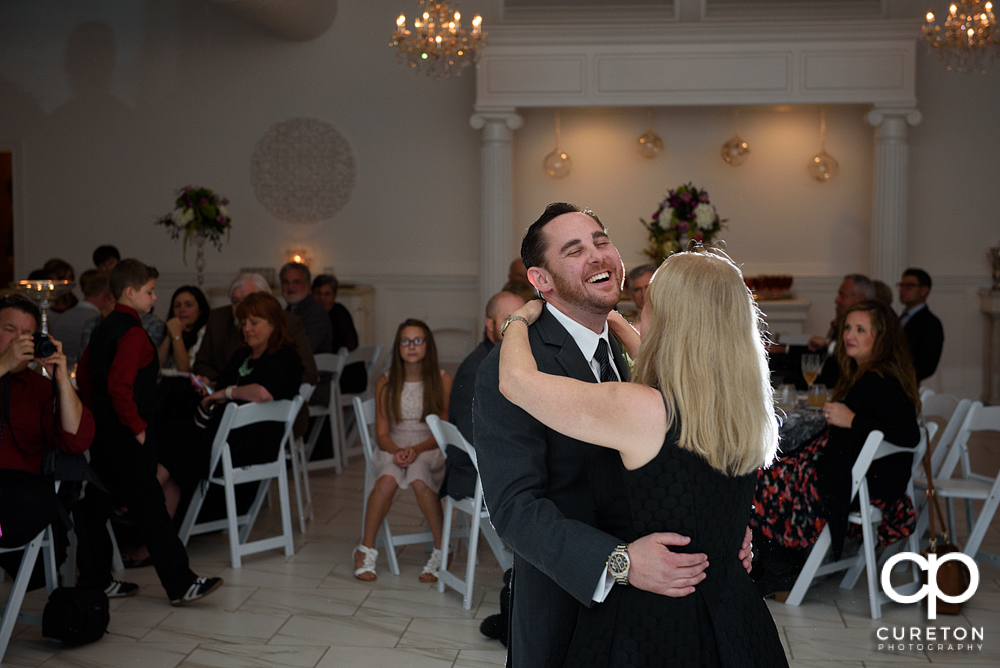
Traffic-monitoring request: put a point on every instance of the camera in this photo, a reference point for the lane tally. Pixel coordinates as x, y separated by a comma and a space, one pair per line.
43, 345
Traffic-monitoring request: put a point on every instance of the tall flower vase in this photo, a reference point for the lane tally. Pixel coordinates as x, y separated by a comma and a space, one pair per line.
199, 262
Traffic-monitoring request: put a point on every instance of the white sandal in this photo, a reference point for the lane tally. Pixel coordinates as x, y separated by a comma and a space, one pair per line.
430, 572
371, 555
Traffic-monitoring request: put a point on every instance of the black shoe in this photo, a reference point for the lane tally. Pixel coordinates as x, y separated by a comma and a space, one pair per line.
495, 627
120, 589
200, 587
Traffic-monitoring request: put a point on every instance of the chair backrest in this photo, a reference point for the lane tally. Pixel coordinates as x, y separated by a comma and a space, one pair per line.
284, 410
925, 393
446, 433
951, 412
979, 418
364, 411
306, 391
332, 363
876, 447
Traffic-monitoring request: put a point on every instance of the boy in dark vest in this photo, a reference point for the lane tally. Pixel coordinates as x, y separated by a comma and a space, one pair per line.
117, 379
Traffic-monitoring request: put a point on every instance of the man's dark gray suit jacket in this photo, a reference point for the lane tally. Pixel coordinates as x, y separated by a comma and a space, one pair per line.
538, 493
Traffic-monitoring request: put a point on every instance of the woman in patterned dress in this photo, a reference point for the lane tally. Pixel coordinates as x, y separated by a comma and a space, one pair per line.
798, 496
407, 455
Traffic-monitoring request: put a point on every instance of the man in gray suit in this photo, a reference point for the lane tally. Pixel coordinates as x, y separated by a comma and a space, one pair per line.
536, 480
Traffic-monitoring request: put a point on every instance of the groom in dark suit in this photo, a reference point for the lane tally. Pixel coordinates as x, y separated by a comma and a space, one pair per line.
535, 480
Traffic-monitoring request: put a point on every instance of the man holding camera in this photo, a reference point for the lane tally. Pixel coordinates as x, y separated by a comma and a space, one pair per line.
32, 422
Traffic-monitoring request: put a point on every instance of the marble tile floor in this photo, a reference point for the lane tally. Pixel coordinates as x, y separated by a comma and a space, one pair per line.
309, 611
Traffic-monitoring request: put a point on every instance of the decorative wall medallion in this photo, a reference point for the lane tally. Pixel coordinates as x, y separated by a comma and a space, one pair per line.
302, 170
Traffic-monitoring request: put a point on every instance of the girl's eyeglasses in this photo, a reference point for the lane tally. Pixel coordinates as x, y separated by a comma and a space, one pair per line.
406, 343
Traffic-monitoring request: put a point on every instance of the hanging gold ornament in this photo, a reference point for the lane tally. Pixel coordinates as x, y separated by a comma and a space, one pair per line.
649, 143
735, 151
557, 164
822, 166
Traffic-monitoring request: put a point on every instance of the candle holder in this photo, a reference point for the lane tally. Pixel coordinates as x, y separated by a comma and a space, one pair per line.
44, 294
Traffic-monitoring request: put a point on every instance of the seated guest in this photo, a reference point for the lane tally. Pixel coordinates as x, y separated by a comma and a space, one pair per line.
636, 282
295, 287
265, 368
459, 472
804, 492
28, 429
407, 455
60, 270
69, 326
924, 333
186, 323
223, 338
853, 289
324, 290
105, 258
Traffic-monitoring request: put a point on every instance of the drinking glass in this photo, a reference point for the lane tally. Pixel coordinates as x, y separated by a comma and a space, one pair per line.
811, 366
817, 396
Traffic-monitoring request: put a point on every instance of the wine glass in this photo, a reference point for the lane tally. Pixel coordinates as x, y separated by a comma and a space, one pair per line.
811, 366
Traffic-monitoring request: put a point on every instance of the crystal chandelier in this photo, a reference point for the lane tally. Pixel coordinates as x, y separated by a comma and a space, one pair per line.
438, 45
969, 38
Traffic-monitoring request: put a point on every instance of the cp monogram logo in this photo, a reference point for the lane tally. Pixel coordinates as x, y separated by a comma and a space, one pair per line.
930, 590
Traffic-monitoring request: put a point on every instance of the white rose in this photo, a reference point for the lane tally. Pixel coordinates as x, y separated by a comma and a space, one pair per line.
187, 216
223, 211
704, 216
176, 216
666, 216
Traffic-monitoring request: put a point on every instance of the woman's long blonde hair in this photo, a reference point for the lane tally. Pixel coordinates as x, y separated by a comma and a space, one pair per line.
704, 349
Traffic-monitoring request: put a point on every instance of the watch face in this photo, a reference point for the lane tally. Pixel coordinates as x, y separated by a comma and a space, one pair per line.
618, 563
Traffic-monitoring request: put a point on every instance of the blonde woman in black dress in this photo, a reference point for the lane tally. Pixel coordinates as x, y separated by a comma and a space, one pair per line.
691, 432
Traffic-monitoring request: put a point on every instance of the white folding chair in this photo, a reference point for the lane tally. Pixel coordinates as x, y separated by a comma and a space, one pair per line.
347, 422
868, 516
446, 433
925, 392
239, 526
333, 365
300, 472
365, 412
44, 542
949, 411
971, 486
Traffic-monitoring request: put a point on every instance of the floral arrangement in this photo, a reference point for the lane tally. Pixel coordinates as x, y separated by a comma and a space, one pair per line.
685, 213
200, 212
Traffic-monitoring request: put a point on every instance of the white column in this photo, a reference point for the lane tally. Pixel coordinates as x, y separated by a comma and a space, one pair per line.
497, 200
889, 222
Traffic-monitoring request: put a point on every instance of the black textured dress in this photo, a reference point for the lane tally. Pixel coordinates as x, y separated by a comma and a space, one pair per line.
725, 622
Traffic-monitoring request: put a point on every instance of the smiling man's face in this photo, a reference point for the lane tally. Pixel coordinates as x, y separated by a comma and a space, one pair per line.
583, 267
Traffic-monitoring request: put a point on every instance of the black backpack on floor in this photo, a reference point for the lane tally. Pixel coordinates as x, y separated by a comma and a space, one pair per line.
76, 616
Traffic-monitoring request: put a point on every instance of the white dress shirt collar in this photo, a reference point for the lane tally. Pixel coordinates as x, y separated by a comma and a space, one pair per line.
586, 340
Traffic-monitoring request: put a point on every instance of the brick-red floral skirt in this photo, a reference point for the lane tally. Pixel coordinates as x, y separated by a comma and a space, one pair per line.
787, 507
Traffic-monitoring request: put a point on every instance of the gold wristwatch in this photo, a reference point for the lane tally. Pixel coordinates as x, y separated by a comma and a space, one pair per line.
618, 564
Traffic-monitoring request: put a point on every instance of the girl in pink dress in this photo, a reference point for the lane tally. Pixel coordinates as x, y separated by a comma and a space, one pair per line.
407, 455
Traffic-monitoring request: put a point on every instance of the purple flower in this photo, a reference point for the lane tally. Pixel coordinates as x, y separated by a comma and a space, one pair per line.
203, 201
225, 201
683, 225
686, 197
187, 188
656, 216
703, 197
220, 219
